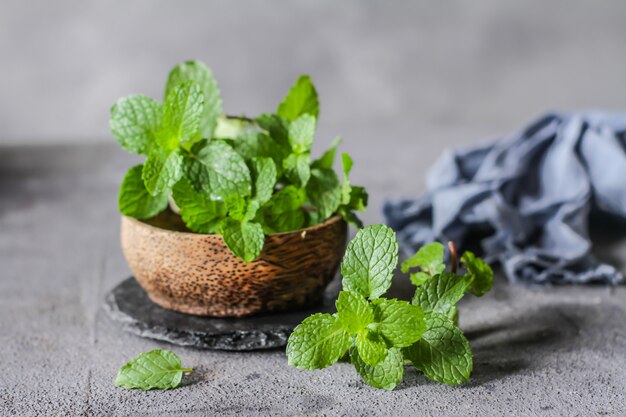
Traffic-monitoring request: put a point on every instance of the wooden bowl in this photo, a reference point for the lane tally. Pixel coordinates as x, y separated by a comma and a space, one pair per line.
197, 274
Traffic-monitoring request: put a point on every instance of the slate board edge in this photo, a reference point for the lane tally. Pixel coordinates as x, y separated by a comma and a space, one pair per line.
232, 341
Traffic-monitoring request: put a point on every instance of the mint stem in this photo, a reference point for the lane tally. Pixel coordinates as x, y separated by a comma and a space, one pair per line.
241, 118
453, 256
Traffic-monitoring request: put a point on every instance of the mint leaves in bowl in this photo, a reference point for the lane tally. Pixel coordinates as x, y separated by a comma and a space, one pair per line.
230, 216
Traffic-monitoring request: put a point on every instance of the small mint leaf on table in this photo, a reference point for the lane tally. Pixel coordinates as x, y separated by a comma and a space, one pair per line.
371, 347
244, 238
156, 369
479, 274
134, 122
369, 261
443, 353
319, 341
199, 212
429, 258
301, 99
399, 322
134, 199
441, 293
201, 75
386, 375
324, 192
354, 312
182, 113
162, 170
214, 168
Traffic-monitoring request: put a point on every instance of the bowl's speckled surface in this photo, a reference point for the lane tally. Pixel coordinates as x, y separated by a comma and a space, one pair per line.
197, 274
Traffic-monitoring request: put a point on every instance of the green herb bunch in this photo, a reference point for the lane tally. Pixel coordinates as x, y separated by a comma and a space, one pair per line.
381, 334
239, 177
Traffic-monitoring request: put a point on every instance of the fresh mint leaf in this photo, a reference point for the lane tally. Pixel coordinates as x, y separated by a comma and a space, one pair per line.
162, 170
251, 211
156, 369
400, 323
214, 168
327, 160
199, 212
201, 75
441, 293
265, 177
479, 274
324, 192
134, 122
277, 127
311, 217
245, 239
371, 347
429, 258
251, 144
358, 198
302, 99
297, 168
135, 201
346, 189
283, 213
236, 206
352, 197
182, 113
418, 278
350, 217
386, 375
317, 342
443, 353
370, 260
302, 133
353, 312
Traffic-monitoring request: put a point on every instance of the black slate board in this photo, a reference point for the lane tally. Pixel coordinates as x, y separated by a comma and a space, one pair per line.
129, 305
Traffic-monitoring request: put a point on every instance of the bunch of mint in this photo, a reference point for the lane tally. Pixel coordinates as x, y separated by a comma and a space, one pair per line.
380, 334
237, 176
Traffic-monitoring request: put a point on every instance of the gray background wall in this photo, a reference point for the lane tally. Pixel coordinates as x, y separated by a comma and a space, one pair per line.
403, 79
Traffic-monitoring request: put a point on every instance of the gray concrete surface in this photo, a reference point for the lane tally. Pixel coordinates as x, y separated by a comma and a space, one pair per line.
547, 351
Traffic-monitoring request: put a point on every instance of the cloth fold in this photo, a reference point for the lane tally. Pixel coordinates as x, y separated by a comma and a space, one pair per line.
526, 198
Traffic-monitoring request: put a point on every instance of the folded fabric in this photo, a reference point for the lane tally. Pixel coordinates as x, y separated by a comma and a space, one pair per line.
526, 198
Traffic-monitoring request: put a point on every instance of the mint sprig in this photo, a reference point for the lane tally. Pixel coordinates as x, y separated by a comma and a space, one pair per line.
379, 333
232, 175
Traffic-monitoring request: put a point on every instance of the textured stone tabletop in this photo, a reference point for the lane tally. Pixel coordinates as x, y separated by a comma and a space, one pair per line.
538, 351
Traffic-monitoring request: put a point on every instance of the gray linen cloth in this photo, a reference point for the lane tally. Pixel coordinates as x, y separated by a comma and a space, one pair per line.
527, 198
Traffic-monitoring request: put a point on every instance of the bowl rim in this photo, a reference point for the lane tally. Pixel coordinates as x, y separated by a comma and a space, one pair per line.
329, 221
